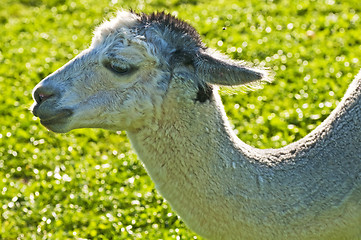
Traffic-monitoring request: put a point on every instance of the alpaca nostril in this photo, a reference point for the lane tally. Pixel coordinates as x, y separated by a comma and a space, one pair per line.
43, 97
41, 94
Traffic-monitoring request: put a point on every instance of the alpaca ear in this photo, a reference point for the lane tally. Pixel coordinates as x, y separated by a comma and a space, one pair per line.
216, 68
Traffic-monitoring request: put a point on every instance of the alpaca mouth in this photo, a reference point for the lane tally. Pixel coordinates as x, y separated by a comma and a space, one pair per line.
60, 117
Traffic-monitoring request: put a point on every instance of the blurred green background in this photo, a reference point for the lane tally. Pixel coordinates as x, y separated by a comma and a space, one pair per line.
89, 184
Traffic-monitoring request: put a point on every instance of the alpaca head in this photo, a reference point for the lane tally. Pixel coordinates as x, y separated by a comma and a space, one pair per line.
121, 80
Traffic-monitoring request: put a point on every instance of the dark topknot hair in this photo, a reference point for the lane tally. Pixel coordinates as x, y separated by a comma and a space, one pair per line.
177, 31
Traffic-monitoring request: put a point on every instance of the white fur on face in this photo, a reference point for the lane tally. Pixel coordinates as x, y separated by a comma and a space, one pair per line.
124, 20
115, 84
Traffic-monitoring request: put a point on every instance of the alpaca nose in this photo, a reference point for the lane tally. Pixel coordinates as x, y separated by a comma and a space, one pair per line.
42, 93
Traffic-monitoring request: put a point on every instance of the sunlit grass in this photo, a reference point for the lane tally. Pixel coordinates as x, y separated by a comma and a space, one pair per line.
88, 184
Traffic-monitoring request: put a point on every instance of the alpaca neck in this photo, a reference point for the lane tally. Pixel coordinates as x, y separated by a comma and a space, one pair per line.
199, 165
186, 155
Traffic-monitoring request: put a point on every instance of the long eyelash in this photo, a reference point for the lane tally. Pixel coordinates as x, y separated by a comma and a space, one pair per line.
114, 69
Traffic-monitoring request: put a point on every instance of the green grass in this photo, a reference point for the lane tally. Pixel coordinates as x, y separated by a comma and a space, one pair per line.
89, 184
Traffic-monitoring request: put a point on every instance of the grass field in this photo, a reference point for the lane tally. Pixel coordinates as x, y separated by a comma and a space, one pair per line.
89, 184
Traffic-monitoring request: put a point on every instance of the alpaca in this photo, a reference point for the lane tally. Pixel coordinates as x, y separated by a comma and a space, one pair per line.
152, 76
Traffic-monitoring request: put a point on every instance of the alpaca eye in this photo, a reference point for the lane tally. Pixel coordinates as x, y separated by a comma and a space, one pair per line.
118, 69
